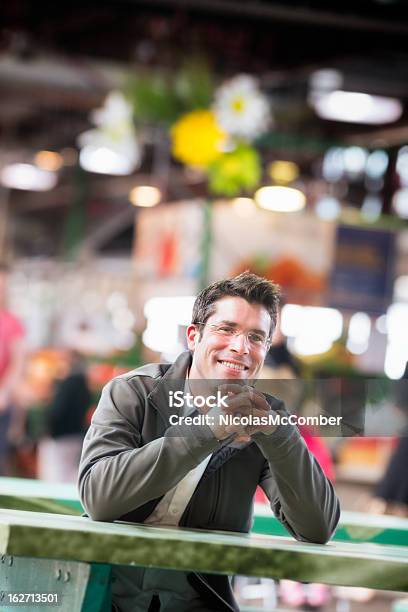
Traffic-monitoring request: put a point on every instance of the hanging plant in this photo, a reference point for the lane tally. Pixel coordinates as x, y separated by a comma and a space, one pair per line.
241, 108
197, 139
235, 171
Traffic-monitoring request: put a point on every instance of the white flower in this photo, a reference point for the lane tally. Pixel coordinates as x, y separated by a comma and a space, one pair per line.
241, 108
111, 147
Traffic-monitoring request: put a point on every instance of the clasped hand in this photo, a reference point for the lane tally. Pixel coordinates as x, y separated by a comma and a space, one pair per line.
242, 401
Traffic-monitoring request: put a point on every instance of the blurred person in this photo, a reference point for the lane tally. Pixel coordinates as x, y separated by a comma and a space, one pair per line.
279, 361
59, 452
12, 360
284, 369
391, 492
137, 466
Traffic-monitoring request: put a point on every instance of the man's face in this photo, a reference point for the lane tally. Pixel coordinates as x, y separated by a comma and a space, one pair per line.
218, 355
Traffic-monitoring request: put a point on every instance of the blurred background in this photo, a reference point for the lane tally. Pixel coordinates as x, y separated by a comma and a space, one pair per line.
149, 148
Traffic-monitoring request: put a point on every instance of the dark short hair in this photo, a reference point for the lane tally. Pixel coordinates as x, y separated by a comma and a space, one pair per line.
252, 288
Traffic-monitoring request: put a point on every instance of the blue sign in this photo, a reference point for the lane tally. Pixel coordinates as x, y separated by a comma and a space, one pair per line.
363, 271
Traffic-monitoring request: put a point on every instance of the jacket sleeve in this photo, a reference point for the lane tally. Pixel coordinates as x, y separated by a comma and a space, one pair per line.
301, 496
118, 474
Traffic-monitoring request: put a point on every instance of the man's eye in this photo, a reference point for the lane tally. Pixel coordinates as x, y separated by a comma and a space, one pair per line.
225, 329
256, 338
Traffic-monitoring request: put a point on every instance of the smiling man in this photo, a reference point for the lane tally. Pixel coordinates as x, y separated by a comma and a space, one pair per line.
138, 466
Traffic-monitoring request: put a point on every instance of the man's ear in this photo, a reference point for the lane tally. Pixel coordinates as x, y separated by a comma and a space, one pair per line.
193, 336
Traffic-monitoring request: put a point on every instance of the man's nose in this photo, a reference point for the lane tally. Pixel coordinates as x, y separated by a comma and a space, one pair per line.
239, 344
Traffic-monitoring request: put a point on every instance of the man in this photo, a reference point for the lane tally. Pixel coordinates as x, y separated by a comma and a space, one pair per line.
12, 357
137, 466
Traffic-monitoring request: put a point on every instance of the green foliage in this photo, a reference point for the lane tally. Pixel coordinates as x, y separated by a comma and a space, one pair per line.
235, 171
160, 97
153, 98
194, 85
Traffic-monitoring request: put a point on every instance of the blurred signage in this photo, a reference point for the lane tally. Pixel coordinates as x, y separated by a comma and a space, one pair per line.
362, 274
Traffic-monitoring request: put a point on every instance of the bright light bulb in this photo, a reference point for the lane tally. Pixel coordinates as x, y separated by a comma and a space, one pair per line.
283, 172
328, 208
400, 203
48, 160
27, 177
103, 160
401, 289
280, 199
145, 195
314, 329
355, 159
402, 166
371, 208
359, 333
333, 164
355, 107
161, 333
377, 164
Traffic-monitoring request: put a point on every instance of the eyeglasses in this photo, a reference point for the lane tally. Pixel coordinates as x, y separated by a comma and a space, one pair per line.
255, 339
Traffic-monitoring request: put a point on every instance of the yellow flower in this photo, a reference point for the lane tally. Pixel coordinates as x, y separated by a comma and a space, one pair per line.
197, 138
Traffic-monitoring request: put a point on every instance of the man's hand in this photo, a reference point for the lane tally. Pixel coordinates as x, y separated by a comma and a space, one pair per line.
242, 401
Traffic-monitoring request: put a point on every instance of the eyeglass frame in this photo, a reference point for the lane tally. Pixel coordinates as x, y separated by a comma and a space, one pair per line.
266, 343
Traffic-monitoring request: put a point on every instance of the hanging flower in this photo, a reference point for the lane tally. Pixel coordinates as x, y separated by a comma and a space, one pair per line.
111, 147
235, 171
241, 108
197, 139
116, 115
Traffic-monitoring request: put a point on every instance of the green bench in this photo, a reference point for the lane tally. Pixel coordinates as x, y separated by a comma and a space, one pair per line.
353, 527
73, 555
38, 496
24, 494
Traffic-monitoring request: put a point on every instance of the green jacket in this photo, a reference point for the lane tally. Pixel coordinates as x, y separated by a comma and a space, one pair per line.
132, 456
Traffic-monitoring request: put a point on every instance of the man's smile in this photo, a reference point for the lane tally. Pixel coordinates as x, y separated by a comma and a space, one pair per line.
233, 365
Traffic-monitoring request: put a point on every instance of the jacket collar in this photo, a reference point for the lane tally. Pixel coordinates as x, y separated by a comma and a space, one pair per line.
172, 380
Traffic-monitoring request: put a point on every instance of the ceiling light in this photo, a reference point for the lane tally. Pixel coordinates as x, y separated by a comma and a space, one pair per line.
280, 199
381, 324
401, 289
244, 207
313, 329
397, 323
27, 177
283, 172
326, 79
377, 164
333, 164
354, 107
145, 195
396, 357
355, 159
371, 208
48, 160
162, 334
397, 352
103, 160
359, 333
328, 208
400, 203
402, 165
